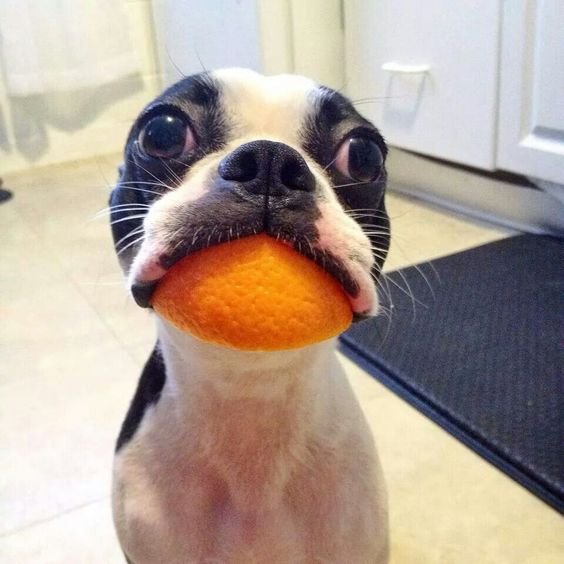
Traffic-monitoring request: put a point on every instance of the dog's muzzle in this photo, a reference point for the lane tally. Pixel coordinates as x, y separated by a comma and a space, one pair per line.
265, 186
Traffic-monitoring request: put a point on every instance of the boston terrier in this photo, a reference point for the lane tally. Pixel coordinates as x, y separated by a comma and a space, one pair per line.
236, 457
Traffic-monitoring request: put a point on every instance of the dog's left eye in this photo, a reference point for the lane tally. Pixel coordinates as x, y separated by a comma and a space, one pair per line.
360, 158
166, 136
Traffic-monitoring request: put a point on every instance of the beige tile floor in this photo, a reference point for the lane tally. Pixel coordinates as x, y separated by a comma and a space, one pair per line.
72, 344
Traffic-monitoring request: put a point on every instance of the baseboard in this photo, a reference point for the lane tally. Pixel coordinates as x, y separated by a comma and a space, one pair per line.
500, 200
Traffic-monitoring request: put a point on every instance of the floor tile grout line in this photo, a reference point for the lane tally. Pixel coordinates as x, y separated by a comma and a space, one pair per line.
53, 517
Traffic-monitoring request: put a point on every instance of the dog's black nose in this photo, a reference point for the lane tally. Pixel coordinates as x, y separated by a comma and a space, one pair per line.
267, 167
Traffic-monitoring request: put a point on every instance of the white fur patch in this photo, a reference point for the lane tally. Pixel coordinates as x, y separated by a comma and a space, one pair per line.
271, 108
250, 458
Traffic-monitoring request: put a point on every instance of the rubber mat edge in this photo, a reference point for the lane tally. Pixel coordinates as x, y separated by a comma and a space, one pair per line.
377, 370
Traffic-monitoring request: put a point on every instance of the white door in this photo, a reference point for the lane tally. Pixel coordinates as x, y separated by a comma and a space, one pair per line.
196, 35
426, 72
270, 36
531, 124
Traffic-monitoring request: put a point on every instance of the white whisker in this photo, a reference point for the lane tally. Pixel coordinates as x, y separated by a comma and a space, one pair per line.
132, 233
148, 172
134, 242
352, 184
135, 188
129, 218
105, 213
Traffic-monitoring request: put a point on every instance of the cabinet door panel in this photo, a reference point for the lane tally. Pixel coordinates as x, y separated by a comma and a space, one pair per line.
531, 124
437, 92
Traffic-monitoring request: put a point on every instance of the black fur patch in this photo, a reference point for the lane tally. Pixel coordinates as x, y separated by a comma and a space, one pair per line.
148, 393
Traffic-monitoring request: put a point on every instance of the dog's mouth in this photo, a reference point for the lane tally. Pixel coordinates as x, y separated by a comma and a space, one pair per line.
152, 262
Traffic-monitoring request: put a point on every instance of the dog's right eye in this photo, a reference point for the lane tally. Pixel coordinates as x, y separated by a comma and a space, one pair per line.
167, 137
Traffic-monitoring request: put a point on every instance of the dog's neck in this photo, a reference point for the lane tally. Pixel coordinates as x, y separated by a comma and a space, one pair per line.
232, 405
192, 364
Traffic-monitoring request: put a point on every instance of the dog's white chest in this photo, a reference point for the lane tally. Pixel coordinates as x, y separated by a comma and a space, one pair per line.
255, 481
194, 519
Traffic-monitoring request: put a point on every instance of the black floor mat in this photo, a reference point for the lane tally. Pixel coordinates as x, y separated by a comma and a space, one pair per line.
482, 354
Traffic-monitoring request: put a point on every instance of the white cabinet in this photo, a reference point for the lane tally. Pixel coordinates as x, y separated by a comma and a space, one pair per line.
531, 101
477, 82
426, 73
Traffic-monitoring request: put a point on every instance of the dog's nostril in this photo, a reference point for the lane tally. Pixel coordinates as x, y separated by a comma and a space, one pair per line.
295, 174
240, 166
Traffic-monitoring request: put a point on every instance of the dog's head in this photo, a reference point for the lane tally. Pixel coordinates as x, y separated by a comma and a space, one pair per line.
231, 153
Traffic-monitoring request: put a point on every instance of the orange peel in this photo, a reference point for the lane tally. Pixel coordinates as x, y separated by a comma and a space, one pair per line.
254, 293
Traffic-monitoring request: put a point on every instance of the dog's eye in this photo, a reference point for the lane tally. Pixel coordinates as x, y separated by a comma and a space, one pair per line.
359, 158
166, 137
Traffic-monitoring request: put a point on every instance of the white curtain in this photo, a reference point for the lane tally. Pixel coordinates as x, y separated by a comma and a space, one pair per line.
61, 45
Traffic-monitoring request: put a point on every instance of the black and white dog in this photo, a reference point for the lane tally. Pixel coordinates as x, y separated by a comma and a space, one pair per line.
242, 457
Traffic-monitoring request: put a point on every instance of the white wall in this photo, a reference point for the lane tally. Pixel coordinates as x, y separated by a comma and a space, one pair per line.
41, 130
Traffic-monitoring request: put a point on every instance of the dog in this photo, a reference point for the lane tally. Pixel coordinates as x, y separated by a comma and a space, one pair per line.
228, 456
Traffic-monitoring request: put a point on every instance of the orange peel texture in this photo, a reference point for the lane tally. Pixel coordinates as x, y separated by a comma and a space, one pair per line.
254, 293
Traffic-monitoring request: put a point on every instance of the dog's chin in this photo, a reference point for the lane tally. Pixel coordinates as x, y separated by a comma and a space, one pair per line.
153, 261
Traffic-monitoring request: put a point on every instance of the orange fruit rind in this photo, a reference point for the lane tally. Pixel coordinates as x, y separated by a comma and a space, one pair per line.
254, 293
